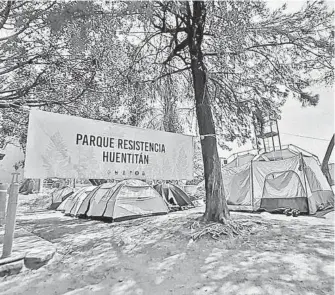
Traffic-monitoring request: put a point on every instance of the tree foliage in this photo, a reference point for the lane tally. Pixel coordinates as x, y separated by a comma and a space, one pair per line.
255, 58
234, 62
64, 57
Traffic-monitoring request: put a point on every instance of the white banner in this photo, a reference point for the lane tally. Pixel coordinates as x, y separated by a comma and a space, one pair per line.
72, 147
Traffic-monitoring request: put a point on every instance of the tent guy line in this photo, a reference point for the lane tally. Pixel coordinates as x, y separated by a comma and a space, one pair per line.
323, 139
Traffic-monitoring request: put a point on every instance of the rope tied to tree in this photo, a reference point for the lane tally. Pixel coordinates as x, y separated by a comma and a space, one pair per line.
203, 136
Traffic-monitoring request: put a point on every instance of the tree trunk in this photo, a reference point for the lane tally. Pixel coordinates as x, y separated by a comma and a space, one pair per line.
324, 166
216, 205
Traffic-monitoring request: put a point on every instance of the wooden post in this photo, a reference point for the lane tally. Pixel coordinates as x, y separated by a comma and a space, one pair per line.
3, 201
11, 216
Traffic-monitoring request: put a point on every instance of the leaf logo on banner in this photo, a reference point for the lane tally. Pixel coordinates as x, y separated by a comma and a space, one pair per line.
166, 169
87, 161
56, 159
182, 160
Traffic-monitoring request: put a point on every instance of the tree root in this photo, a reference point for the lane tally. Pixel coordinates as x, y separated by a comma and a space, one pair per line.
230, 228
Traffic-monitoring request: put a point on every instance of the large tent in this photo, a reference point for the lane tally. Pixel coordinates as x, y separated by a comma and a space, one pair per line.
70, 205
287, 178
59, 195
124, 200
173, 195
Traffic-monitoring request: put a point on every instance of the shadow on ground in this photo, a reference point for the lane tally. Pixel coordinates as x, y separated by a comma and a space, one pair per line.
156, 256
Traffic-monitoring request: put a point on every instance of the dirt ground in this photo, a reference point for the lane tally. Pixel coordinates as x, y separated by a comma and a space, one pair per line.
155, 255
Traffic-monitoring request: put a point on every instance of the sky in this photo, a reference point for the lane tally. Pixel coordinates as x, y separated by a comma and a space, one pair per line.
297, 122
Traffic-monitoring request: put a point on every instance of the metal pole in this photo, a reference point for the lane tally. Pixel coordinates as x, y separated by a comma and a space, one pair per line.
11, 216
256, 139
273, 141
264, 144
3, 202
278, 134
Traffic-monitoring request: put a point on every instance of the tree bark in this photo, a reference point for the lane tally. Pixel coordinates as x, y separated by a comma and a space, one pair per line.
324, 166
216, 205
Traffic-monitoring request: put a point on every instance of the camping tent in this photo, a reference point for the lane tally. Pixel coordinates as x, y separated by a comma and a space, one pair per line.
59, 195
73, 201
27, 187
97, 181
124, 200
287, 178
173, 195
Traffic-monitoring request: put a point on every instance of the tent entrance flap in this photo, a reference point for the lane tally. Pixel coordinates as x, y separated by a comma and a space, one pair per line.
284, 190
272, 204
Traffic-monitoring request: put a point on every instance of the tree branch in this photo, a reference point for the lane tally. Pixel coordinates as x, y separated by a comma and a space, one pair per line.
18, 65
168, 74
5, 13
175, 51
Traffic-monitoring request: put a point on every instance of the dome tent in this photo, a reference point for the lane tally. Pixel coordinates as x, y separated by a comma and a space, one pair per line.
124, 200
173, 195
69, 205
83, 203
288, 178
59, 195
